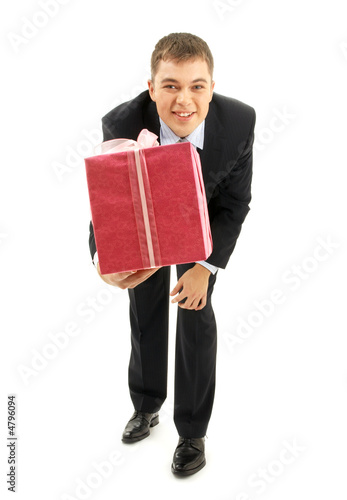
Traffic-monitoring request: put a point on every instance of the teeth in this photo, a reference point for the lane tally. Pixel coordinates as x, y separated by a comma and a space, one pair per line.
184, 114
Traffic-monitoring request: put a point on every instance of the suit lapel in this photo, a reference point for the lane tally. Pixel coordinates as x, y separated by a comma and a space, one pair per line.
214, 155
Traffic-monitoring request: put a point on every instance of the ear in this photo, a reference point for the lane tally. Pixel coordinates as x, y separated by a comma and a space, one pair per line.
151, 89
212, 89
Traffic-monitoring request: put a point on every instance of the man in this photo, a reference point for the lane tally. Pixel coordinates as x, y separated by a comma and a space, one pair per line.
180, 105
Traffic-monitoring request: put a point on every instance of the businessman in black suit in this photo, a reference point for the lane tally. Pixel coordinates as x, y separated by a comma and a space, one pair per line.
180, 105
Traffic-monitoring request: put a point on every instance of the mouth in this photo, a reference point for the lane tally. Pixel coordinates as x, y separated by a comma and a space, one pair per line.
184, 116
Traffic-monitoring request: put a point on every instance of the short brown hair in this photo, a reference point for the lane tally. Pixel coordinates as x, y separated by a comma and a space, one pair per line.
180, 47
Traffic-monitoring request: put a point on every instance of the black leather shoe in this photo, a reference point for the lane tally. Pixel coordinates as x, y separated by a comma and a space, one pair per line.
189, 456
138, 426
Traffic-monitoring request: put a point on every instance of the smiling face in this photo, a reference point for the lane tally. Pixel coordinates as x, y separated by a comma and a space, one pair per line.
182, 92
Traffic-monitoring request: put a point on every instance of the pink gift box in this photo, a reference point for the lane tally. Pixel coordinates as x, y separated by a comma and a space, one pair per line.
148, 205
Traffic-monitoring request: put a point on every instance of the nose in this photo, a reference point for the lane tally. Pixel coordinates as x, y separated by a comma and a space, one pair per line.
183, 98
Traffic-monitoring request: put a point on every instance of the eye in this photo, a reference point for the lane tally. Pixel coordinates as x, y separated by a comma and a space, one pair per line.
170, 87
198, 87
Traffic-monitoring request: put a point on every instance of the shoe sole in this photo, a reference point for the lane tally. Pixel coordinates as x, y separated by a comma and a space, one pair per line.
188, 472
153, 423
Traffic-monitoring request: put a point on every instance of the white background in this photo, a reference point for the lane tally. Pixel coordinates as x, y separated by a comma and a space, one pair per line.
285, 381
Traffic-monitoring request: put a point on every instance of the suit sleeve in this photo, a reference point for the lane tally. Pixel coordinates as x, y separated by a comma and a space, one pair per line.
231, 205
92, 245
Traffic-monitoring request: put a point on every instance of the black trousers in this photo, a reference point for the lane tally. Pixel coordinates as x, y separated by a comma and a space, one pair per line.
195, 357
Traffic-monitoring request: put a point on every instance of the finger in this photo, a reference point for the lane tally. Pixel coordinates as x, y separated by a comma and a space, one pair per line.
193, 304
179, 297
184, 306
118, 278
202, 304
186, 302
123, 276
133, 281
177, 288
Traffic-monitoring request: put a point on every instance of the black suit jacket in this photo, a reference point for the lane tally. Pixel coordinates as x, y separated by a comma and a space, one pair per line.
226, 161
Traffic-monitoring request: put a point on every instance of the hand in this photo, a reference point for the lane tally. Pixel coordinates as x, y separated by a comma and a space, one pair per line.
192, 285
128, 279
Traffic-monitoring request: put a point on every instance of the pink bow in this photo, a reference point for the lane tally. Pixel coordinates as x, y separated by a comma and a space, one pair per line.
146, 139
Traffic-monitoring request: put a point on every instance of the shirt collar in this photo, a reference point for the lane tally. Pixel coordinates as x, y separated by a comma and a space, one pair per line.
167, 136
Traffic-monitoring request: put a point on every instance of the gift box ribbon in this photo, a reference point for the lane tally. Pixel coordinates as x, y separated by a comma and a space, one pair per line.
140, 190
